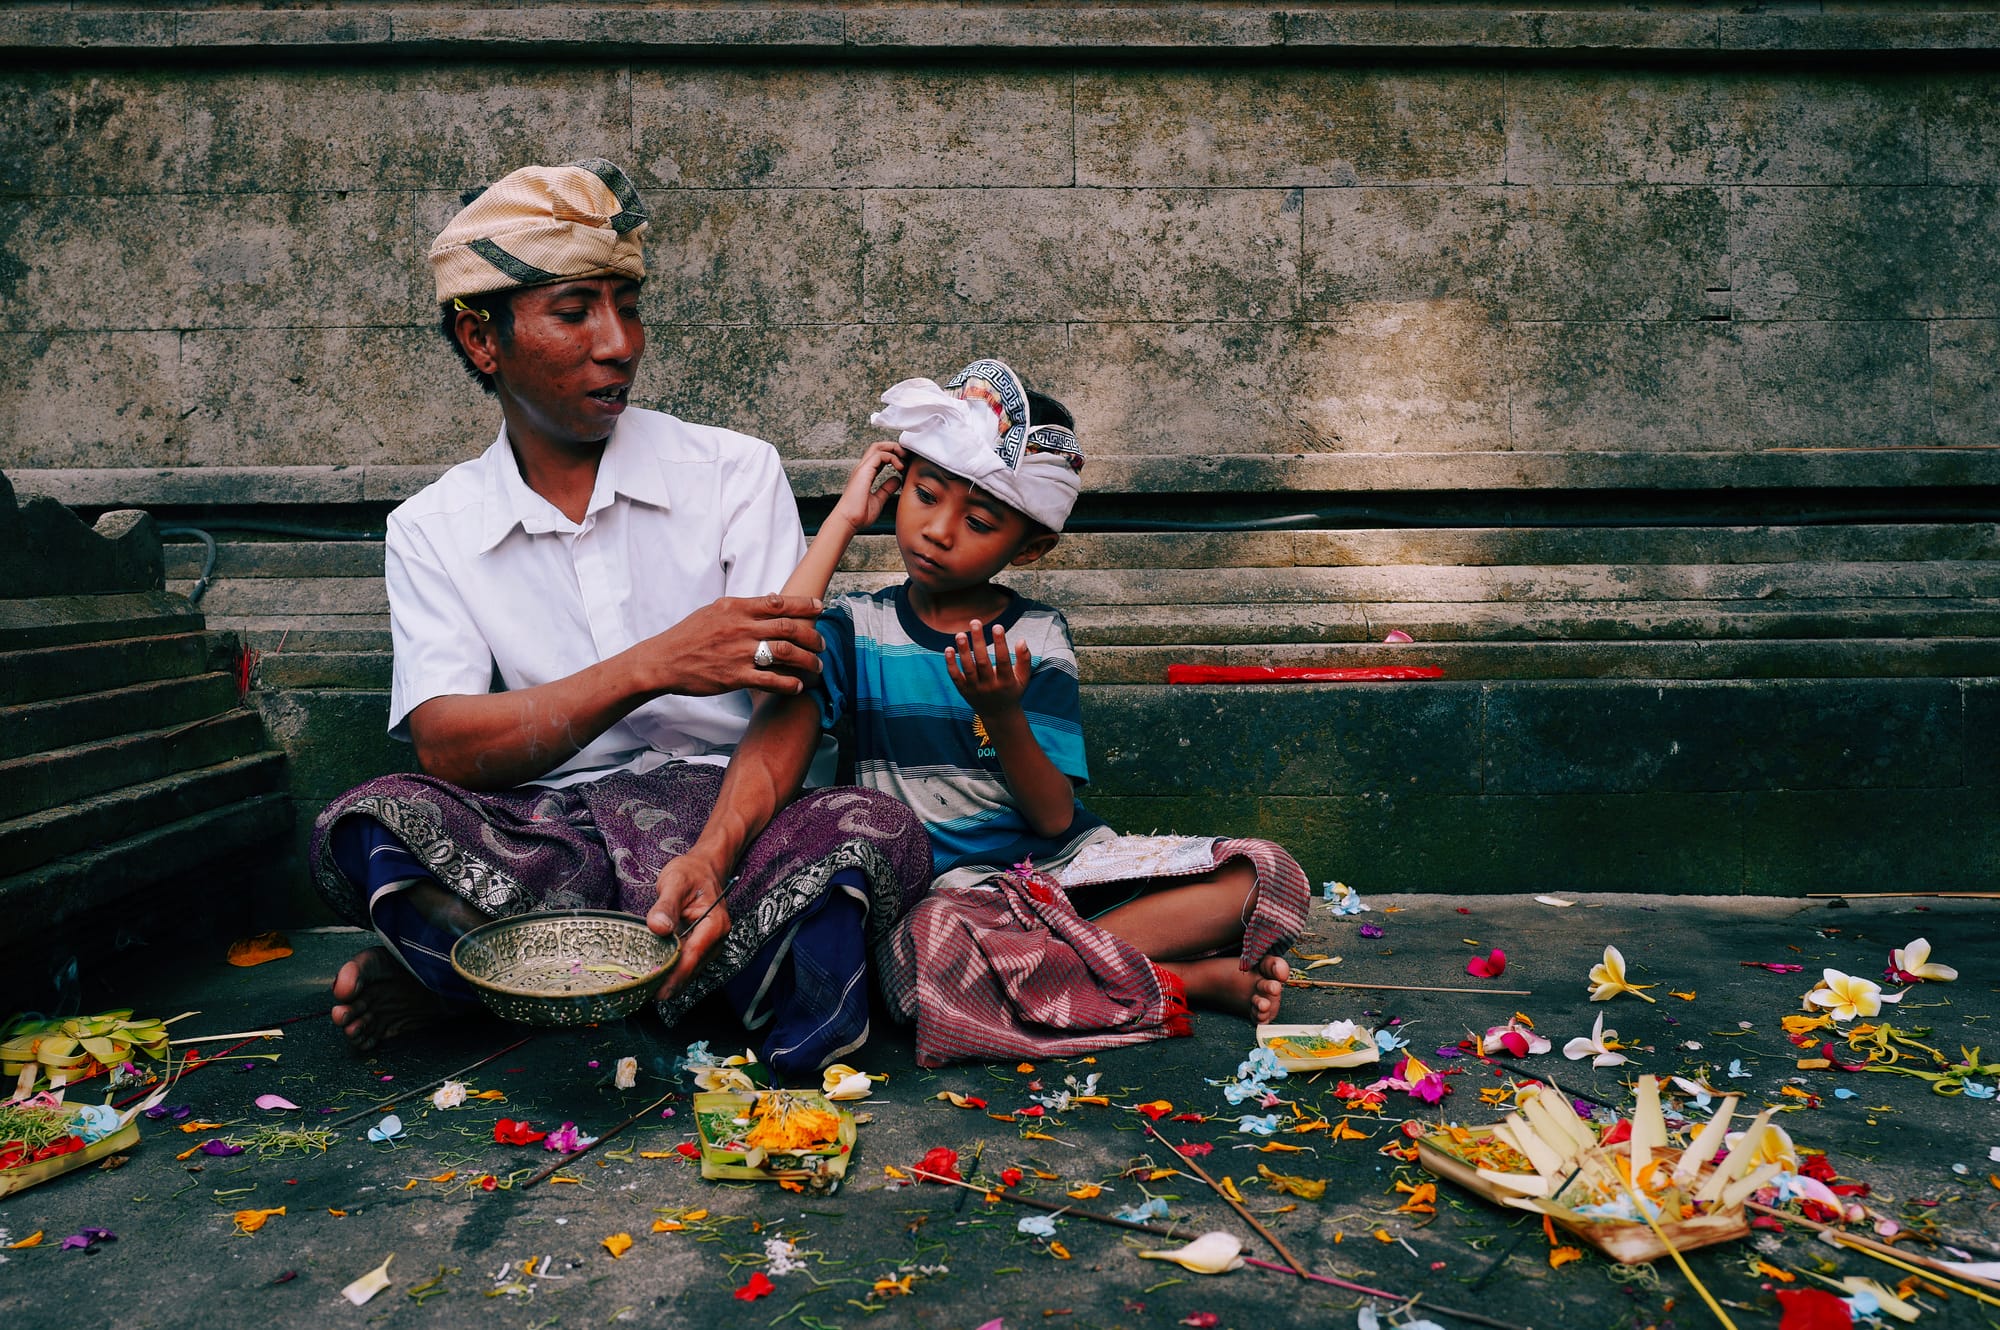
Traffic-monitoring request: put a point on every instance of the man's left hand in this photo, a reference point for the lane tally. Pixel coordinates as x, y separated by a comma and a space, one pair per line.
688, 887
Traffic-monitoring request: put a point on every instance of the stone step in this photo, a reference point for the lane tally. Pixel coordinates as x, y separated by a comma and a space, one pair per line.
1239, 624
47, 779
51, 833
36, 726
1439, 546
91, 667
1205, 625
254, 597
1823, 658
114, 881
1853, 658
47, 621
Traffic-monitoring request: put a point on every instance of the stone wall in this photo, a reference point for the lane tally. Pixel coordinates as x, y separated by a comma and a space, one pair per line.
1213, 229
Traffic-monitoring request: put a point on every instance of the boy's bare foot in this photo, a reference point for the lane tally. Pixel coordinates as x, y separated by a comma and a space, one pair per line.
1218, 982
375, 998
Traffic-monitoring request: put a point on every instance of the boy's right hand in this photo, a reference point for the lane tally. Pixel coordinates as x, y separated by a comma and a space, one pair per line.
863, 500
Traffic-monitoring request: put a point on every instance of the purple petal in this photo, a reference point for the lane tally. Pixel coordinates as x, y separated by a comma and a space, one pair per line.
1450, 1051
1370, 930
1584, 1108
220, 1148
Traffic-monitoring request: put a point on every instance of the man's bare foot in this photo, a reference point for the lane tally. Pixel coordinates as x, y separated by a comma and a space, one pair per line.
1219, 982
375, 998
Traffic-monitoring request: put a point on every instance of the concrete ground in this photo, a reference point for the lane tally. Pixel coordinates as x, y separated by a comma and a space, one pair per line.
178, 1262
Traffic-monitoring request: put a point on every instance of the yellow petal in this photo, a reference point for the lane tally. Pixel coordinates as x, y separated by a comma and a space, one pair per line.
667, 1226
1310, 1189
1228, 1189
1562, 1256
32, 1240
1088, 1191
1057, 1250
618, 1244
249, 1221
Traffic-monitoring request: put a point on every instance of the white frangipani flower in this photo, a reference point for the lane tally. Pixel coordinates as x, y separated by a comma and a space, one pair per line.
1846, 996
449, 1095
1600, 1042
1209, 1254
1915, 959
1607, 978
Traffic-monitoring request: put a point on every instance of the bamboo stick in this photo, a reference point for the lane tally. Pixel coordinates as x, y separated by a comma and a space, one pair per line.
1035, 1203
1408, 988
578, 1154
1910, 1261
1234, 1204
388, 1104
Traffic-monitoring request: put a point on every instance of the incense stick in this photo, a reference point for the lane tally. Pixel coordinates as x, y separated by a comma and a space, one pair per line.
387, 1104
578, 1154
1408, 988
1234, 1204
1639, 1204
1172, 1232
1913, 1262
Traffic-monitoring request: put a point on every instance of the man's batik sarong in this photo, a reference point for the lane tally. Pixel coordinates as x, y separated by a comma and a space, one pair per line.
835, 861
1008, 968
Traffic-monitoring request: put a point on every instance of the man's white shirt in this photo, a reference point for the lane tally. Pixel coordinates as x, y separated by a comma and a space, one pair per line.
488, 579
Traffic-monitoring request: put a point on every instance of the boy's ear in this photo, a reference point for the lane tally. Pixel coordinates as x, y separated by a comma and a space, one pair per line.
1034, 548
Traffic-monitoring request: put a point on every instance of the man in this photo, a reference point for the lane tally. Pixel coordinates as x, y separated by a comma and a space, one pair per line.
577, 615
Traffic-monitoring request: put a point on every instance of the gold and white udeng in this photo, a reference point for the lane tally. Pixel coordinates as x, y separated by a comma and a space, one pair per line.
1699, 1203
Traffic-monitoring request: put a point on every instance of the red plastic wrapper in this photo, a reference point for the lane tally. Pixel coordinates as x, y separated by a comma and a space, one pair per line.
1281, 674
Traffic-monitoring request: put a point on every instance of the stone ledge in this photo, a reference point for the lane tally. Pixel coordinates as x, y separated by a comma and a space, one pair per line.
619, 31
1248, 474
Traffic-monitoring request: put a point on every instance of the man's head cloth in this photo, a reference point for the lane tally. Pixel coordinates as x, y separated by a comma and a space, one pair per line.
542, 224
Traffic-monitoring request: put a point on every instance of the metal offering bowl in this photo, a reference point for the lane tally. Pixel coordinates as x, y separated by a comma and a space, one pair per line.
565, 967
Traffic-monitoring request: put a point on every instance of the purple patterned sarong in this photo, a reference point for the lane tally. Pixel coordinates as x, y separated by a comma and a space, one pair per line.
601, 845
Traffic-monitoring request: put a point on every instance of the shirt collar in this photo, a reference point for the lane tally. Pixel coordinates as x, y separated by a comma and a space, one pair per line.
627, 468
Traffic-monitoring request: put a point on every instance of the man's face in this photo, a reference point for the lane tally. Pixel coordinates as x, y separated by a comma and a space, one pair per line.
565, 374
952, 536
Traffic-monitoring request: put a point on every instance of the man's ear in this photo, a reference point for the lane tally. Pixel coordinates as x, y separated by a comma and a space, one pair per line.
1034, 548
481, 343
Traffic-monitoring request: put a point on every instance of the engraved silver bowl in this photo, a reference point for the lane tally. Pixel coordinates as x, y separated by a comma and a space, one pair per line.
565, 967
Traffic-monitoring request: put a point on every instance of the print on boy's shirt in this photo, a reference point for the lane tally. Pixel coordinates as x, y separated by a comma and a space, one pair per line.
983, 739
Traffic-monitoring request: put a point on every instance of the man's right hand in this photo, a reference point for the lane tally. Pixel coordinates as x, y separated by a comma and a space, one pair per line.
713, 650
688, 887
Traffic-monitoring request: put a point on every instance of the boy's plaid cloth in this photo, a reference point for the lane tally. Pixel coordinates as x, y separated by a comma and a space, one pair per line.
1009, 969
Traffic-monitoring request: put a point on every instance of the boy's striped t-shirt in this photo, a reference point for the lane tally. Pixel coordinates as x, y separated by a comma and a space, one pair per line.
916, 738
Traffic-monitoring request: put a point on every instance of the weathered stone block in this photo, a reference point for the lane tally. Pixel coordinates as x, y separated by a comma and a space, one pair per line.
1860, 840
1370, 247
333, 740
1773, 127
1585, 386
1428, 380
1007, 255
287, 260
1848, 253
1615, 252
75, 399
429, 126
351, 395
718, 127
92, 133
1584, 737
980, 28
809, 390
1965, 381
1288, 126
1962, 128
1982, 736
766, 256
1289, 740
1188, 389
1840, 384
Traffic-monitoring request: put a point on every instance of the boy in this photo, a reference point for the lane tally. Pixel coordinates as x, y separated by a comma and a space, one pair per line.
965, 705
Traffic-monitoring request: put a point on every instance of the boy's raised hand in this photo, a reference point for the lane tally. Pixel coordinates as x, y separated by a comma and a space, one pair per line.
992, 680
865, 496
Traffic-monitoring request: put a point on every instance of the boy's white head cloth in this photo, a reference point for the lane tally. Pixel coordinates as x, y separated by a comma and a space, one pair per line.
977, 426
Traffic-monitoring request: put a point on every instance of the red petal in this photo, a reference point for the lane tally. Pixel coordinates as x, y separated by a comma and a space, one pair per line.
941, 1162
1812, 1309
760, 1284
1515, 1042
1621, 1130
1010, 1177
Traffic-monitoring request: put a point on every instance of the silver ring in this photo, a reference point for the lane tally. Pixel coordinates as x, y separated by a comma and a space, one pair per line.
763, 658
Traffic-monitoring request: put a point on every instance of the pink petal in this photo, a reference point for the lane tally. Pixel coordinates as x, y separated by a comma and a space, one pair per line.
1515, 1042
274, 1101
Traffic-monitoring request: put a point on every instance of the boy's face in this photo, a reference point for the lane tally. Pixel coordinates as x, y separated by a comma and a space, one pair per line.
953, 537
